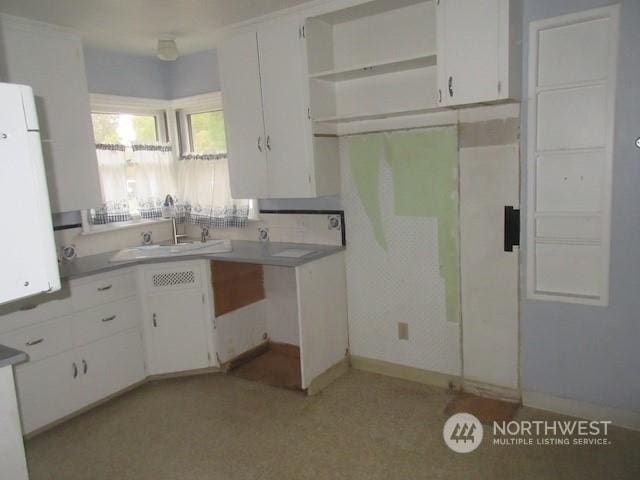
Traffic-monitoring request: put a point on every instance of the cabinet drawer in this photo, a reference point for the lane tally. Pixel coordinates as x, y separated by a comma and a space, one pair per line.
101, 289
104, 321
41, 340
36, 309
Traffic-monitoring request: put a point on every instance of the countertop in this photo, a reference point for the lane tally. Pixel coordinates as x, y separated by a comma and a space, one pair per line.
244, 251
11, 356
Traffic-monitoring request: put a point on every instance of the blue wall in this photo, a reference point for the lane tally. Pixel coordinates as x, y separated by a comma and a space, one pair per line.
592, 354
114, 73
193, 74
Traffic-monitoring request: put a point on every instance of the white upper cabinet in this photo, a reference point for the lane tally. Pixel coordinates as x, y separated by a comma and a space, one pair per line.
478, 51
272, 152
50, 60
240, 77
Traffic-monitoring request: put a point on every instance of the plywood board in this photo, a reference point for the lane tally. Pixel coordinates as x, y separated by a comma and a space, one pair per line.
236, 285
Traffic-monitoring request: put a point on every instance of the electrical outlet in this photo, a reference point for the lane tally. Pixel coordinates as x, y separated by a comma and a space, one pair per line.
403, 331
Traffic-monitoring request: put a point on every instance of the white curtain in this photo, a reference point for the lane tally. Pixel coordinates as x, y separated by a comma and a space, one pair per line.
112, 168
204, 190
154, 173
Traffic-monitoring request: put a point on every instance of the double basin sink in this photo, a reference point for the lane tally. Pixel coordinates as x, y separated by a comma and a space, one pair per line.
161, 251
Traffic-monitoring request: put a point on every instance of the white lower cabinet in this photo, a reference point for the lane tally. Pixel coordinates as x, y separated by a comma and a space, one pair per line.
110, 365
177, 316
178, 332
48, 390
57, 386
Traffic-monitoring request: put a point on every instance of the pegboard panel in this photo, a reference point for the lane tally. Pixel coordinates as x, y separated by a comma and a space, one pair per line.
402, 284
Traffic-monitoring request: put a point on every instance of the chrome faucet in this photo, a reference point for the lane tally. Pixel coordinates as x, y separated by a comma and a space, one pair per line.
204, 233
169, 205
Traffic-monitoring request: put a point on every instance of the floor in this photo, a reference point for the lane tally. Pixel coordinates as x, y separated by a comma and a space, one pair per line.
364, 426
278, 366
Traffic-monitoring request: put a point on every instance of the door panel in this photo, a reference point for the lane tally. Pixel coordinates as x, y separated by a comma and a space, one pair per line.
285, 111
489, 180
47, 390
179, 337
242, 98
110, 365
468, 32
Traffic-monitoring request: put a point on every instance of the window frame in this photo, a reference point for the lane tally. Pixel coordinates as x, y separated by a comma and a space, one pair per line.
183, 107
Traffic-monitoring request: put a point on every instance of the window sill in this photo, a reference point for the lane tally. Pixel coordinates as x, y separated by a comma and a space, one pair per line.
112, 227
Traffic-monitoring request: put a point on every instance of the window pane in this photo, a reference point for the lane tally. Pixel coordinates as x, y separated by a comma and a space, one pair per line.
124, 128
206, 132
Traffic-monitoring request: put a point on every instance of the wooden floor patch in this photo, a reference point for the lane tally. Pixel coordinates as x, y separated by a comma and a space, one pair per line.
277, 367
487, 410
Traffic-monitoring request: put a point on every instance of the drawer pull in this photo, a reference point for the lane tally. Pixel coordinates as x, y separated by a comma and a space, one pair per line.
84, 367
108, 319
31, 343
31, 306
75, 370
106, 287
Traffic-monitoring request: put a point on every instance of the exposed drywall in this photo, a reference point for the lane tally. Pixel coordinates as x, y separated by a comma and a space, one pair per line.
585, 353
365, 154
424, 166
403, 284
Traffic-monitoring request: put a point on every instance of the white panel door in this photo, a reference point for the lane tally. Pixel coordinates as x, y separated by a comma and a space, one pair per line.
570, 148
110, 365
322, 315
489, 180
178, 331
242, 99
285, 111
51, 62
48, 390
468, 35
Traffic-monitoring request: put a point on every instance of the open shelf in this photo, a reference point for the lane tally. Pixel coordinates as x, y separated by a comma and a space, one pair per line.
369, 70
378, 116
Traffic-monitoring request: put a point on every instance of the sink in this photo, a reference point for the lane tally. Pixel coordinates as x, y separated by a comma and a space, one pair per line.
160, 251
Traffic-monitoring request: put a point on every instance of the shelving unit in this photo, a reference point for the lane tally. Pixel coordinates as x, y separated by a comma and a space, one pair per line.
369, 70
371, 61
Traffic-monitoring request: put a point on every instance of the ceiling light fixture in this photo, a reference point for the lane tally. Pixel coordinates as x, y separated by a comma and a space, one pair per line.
167, 49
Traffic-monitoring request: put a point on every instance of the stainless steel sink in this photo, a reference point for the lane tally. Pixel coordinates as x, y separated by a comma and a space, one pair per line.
159, 251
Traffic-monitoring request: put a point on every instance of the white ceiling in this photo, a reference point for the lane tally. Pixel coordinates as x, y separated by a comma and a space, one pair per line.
134, 26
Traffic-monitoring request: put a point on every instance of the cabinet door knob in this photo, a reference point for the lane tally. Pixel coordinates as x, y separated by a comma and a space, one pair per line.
439, 95
268, 143
450, 86
75, 370
84, 366
259, 143
155, 320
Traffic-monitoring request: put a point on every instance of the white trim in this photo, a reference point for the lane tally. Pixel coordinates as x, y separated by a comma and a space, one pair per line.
565, 406
129, 104
31, 24
110, 227
203, 102
602, 299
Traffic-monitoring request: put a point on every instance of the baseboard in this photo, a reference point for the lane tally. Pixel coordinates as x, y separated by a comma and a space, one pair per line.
327, 377
491, 391
575, 408
185, 373
405, 372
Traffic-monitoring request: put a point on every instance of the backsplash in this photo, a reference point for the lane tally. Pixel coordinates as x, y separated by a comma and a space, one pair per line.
325, 229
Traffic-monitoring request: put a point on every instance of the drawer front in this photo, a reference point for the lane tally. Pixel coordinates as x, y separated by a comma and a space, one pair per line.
101, 289
36, 309
42, 340
104, 321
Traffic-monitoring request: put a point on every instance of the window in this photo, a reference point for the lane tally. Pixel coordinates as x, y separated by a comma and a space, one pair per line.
206, 132
123, 128
139, 167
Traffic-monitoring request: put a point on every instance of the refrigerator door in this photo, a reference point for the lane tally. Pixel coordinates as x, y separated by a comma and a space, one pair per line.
27, 249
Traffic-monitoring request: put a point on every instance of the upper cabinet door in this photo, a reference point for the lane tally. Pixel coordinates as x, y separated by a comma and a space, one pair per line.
477, 51
52, 63
242, 99
286, 109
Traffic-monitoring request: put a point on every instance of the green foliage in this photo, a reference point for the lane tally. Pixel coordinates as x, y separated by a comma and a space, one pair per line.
105, 128
207, 132
108, 128
145, 128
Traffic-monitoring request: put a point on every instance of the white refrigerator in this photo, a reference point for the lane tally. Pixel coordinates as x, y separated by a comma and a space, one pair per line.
28, 261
